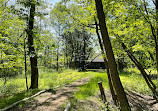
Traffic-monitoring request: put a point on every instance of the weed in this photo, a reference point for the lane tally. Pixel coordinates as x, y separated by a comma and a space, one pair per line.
91, 87
136, 82
15, 87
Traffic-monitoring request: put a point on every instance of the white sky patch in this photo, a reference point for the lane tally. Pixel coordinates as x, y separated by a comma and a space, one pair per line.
53, 1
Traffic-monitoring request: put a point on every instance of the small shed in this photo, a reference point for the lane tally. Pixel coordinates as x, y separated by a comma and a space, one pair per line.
96, 62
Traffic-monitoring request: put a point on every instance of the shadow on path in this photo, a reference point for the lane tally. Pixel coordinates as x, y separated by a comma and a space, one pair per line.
140, 102
51, 100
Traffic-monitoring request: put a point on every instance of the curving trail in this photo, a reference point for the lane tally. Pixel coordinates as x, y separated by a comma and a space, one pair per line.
140, 102
52, 100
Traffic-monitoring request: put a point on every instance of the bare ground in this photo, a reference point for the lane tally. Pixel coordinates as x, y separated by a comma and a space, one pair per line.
54, 100
140, 102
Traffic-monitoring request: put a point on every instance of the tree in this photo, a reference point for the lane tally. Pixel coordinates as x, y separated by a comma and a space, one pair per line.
156, 39
10, 43
113, 93
78, 47
111, 60
150, 84
149, 14
32, 53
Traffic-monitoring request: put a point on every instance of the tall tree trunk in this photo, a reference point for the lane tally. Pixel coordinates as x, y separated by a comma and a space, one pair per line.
58, 57
33, 55
25, 62
124, 105
156, 41
154, 30
114, 97
67, 60
45, 57
84, 51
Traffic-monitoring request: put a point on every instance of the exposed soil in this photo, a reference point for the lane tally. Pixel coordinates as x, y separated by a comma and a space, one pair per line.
140, 102
54, 100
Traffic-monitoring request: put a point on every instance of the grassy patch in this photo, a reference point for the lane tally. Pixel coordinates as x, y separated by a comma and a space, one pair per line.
87, 96
133, 80
91, 87
14, 89
6, 101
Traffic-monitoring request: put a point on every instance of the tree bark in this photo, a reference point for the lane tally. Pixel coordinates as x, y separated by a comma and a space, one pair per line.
151, 55
84, 51
25, 62
124, 105
33, 55
156, 41
58, 57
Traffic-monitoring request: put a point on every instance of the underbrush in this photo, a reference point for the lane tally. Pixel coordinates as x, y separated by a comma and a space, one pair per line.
133, 80
91, 87
85, 98
15, 88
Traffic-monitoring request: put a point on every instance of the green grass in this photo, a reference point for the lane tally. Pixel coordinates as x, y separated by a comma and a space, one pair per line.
12, 99
15, 88
133, 80
91, 87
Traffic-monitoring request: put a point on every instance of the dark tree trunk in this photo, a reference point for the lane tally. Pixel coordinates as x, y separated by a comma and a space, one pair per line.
64, 58
84, 52
154, 30
33, 55
120, 64
124, 105
156, 41
25, 63
67, 60
58, 57
114, 97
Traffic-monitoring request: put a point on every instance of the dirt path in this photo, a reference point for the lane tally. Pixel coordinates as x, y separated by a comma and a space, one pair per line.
52, 101
140, 102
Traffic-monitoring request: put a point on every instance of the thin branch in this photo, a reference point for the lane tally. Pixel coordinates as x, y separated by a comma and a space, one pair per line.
145, 7
147, 20
154, 2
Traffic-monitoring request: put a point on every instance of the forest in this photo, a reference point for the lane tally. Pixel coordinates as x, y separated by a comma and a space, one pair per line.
78, 55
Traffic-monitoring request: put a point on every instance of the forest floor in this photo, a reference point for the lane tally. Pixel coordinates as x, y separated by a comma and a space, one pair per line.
140, 102
57, 99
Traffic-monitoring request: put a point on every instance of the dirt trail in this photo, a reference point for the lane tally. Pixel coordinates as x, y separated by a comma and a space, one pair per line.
140, 102
52, 100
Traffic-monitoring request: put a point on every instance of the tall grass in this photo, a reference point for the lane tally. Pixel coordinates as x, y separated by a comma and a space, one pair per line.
133, 80
91, 87
15, 88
